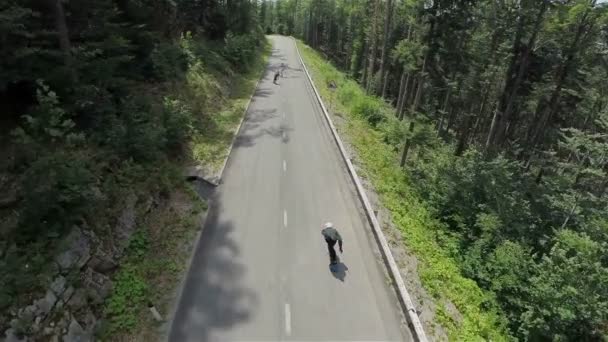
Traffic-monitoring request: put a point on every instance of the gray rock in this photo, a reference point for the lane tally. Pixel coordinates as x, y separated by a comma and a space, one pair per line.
100, 283
45, 305
68, 294
77, 253
78, 300
58, 305
28, 314
12, 336
58, 285
105, 289
90, 320
36, 325
76, 333
102, 262
147, 204
47, 331
126, 222
61, 324
93, 297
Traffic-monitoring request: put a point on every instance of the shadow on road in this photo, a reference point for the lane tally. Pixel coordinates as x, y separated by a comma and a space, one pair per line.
203, 188
262, 92
255, 126
338, 271
213, 299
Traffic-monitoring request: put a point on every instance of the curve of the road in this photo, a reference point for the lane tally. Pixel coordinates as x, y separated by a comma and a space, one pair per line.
260, 271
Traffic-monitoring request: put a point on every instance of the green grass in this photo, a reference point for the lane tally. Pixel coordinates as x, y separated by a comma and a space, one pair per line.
439, 273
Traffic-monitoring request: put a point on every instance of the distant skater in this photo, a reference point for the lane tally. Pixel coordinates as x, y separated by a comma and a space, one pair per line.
276, 77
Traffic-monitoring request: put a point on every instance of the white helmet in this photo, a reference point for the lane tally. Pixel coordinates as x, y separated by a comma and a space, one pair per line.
328, 225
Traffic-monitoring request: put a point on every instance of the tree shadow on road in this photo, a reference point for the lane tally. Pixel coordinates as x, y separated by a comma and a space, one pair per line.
213, 300
254, 128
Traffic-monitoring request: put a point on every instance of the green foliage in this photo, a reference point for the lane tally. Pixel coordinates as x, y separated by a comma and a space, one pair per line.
21, 271
240, 49
131, 291
369, 109
178, 121
128, 298
139, 244
169, 61
569, 293
58, 192
138, 134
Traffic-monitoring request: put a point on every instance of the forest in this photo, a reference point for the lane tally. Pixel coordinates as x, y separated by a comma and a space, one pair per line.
497, 113
100, 102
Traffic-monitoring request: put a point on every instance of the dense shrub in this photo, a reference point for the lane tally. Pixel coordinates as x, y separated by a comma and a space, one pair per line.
370, 109
57, 192
178, 122
240, 49
139, 132
168, 61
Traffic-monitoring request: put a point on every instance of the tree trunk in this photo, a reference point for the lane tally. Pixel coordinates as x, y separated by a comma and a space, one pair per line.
64, 37
414, 107
400, 94
387, 25
497, 119
373, 47
406, 147
421, 78
444, 109
464, 136
544, 115
405, 96
505, 117
310, 29
385, 84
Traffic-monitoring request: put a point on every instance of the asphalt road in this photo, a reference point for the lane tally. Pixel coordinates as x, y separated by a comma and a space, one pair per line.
260, 272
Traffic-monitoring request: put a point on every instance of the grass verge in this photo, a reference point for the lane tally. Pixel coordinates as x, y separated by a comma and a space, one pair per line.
156, 258
478, 317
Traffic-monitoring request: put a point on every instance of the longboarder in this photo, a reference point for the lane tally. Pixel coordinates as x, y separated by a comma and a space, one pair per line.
331, 236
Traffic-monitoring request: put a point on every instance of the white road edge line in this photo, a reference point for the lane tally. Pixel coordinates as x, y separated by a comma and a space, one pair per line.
285, 218
287, 319
411, 313
284, 166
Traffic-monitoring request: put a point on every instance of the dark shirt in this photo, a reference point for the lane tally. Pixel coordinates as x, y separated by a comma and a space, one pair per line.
331, 234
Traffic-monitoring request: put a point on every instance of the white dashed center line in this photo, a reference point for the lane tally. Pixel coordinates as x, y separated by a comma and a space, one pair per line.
287, 319
284, 166
285, 218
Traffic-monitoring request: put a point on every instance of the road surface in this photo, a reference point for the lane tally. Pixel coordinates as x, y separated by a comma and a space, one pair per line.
260, 272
